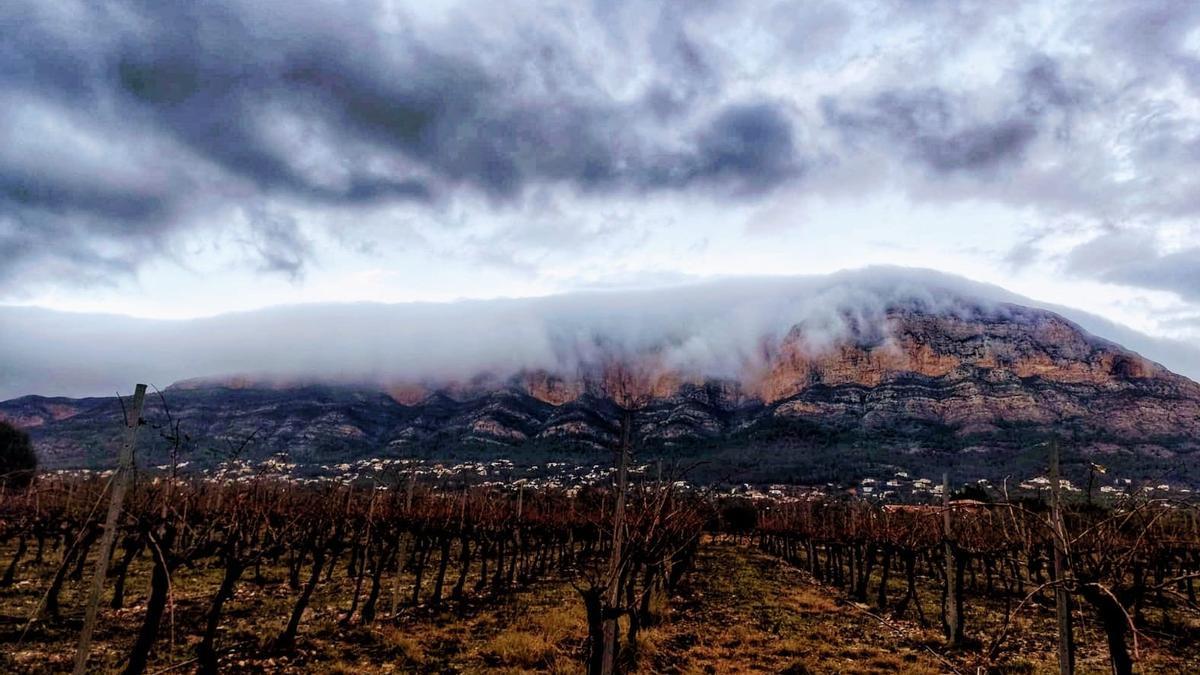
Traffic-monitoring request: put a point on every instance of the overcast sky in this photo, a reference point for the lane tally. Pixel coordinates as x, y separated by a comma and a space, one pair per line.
174, 159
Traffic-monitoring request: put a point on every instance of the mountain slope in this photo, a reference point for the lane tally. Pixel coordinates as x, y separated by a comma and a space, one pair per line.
938, 384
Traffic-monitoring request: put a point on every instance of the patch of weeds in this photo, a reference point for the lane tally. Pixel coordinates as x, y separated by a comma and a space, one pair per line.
404, 645
519, 649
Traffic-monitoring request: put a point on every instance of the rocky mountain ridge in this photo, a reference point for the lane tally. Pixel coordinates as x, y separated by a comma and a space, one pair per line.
921, 383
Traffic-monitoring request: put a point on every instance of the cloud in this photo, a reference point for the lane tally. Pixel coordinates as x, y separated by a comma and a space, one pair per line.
1023, 254
133, 130
1134, 258
715, 328
319, 107
441, 119
1045, 89
1178, 272
946, 133
1152, 36
280, 245
748, 147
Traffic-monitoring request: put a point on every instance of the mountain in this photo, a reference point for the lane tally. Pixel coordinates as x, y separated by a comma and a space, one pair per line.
924, 385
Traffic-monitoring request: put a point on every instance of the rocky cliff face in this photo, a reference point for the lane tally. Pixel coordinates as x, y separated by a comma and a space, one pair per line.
976, 373
922, 381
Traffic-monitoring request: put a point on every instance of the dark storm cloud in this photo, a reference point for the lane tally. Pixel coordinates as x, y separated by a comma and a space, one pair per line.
24, 190
444, 118
130, 125
749, 148
317, 106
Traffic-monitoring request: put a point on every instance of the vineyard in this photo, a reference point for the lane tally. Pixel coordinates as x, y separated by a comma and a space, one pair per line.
244, 571
388, 549
200, 555
1126, 571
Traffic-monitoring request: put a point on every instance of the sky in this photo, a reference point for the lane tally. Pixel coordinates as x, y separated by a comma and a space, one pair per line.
172, 160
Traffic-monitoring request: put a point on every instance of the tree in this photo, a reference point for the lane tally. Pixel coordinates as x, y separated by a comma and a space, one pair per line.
17, 460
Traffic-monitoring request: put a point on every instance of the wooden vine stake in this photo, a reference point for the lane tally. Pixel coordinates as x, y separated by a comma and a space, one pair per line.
1062, 594
952, 609
120, 485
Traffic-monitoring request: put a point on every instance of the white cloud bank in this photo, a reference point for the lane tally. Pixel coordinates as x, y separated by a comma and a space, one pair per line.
714, 328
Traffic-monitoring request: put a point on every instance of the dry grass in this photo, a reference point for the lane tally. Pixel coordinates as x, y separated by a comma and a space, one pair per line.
405, 645
547, 636
560, 625
518, 648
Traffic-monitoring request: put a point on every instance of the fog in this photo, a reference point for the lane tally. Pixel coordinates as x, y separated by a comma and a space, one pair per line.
717, 328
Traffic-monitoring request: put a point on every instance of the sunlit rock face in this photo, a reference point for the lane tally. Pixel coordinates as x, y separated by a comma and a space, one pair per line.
1016, 365
972, 373
967, 372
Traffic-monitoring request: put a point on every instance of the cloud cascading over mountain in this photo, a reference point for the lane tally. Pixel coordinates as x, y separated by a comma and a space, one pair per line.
719, 329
